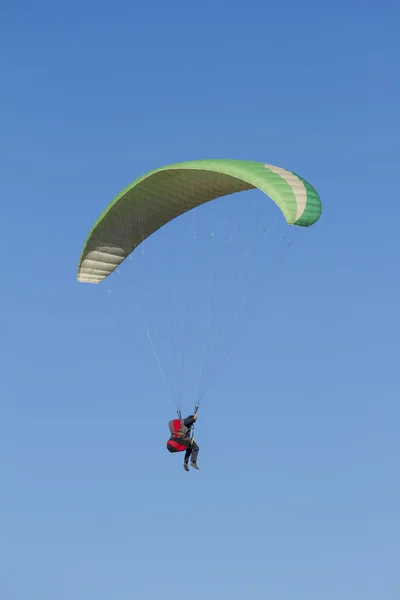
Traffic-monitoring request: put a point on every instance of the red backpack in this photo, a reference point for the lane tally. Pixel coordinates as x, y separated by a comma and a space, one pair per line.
174, 443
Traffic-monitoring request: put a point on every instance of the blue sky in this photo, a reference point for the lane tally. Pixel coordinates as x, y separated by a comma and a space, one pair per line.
298, 494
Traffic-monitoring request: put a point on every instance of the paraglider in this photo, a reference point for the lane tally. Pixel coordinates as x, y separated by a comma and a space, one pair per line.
162, 196
181, 440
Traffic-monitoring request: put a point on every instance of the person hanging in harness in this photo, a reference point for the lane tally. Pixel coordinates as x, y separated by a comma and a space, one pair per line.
181, 440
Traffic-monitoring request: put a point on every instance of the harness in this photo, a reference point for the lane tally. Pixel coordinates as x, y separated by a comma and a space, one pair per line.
180, 440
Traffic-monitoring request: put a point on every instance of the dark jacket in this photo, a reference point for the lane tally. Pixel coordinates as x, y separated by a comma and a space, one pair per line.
189, 421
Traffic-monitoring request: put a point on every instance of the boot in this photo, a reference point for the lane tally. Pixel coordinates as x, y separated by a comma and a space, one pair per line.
194, 465
185, 466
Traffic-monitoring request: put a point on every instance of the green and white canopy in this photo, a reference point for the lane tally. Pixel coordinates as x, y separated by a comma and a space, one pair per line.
165, 193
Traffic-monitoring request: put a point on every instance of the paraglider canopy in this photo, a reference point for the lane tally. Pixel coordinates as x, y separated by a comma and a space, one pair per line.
206, 281
165, 193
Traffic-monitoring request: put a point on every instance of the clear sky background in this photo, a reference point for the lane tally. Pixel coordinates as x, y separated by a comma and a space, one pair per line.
298, 494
